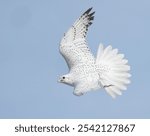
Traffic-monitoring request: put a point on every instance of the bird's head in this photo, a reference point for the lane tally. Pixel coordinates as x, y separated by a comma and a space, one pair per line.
66, 79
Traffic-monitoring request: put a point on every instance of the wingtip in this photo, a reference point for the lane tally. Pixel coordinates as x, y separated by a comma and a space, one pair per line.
91, 18
88, 11
90, 8
92, 13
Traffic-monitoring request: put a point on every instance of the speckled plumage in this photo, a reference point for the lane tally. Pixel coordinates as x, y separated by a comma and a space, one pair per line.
109, 70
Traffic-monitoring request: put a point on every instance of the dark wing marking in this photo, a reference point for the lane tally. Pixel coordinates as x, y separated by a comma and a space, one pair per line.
79, 28
73, 46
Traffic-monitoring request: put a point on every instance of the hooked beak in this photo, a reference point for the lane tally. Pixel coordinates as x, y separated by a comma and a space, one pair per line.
59, 80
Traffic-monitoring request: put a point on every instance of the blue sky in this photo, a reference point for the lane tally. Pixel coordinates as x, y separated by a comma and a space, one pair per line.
30, 63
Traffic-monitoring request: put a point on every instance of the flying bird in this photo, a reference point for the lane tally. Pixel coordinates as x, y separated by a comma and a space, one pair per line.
109, 70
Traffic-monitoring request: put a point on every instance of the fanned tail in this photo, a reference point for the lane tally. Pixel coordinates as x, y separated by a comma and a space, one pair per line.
113, 70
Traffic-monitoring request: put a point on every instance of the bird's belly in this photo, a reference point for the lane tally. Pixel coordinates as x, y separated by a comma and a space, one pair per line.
87, 76
86, 86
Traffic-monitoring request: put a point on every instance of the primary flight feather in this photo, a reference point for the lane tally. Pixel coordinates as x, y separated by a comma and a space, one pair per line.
109, 70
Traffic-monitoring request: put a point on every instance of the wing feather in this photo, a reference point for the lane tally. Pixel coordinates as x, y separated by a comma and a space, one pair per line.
73, 46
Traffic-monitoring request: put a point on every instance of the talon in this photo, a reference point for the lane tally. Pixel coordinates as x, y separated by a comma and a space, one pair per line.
107, 86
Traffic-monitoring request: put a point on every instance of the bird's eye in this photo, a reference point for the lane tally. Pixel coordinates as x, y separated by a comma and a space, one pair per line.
63, 77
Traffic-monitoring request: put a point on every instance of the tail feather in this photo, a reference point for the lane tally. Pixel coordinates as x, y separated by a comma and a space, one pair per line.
115, 91
120, 75
111, 54
113, 69
119, 79
121, 68
105, 52
111, 93
111, 81
100, 51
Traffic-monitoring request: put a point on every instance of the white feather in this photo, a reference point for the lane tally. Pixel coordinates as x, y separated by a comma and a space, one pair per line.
109, 70
115, 72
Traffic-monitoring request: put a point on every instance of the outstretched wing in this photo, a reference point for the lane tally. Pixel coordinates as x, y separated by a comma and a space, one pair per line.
73, 46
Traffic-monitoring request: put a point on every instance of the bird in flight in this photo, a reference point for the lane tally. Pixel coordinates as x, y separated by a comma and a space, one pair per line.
109, 70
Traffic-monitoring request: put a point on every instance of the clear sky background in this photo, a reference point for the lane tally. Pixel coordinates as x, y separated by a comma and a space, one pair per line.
30, 63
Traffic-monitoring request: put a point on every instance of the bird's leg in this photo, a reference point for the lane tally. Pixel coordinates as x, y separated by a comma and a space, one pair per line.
107, 86
102, 84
